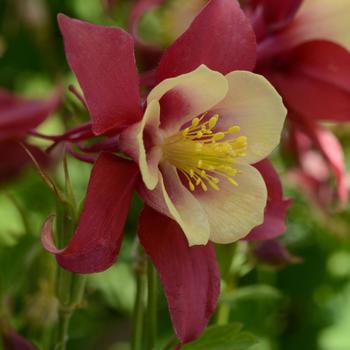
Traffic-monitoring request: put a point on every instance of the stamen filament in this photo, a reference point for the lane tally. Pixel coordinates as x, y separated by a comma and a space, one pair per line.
203, 155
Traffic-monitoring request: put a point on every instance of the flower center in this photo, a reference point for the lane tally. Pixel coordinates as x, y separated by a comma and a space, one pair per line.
204, 156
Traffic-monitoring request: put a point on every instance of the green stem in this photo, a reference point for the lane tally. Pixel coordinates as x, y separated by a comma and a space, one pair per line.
171, 343
223, 314
69, 286
139, 307
63, 285
224, 308
226, 257
152, 305
62, 330
77, 288
70, 290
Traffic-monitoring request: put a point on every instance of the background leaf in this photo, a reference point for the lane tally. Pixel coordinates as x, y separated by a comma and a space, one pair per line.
227, 337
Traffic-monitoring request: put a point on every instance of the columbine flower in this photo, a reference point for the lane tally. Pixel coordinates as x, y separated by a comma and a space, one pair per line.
198, 136
314, 168
17, 117
193, 140
273, 252
277, 205
303, 51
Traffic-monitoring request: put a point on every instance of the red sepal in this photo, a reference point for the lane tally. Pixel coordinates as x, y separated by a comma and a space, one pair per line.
190, 275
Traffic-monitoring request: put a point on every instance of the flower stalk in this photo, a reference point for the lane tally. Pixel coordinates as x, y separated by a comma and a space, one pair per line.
69, 286
226, 256
62, 330
223, 315
151, 305
139, 306
71, 289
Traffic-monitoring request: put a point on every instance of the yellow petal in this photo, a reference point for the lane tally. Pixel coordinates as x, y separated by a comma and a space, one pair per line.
254, 105
193, 94
173, 199
235, 210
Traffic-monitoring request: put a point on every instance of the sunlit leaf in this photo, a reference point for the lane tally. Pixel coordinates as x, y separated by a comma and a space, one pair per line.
117, 286
227, 337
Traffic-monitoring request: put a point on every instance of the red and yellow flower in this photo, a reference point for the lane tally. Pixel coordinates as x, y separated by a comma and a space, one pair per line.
191, 146
303, 50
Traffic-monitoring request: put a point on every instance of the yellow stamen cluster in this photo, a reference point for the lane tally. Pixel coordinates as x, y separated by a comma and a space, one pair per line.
204, 156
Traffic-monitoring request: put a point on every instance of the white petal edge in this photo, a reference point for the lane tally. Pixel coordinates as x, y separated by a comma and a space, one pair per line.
149, 167
173, 199
255, 106
235, 210
132, 143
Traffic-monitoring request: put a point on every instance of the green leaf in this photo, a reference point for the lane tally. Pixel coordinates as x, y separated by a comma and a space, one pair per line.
11, 228
117, 294
227, 337
250, 304
253, 292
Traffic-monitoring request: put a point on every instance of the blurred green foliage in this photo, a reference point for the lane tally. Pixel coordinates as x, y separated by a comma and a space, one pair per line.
302, 306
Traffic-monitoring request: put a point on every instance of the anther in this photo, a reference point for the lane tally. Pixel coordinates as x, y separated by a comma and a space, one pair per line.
214, 185
218, 136
233, 182
241, 139
195, 121
234, 129
213, 120
185, 131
